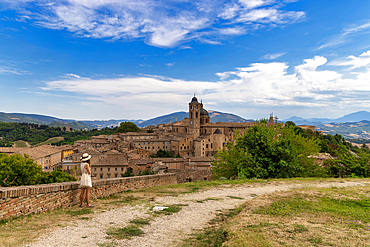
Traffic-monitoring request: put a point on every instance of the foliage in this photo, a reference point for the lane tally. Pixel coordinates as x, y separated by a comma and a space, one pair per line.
349, 164
127, 127
267, 152
35, 133
128, 173
16, 170
146, 172
150, 131
164, 154
358, 141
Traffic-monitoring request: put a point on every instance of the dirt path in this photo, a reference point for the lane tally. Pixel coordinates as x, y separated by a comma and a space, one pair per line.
167, 229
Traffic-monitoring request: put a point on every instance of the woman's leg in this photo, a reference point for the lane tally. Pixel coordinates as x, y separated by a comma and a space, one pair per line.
88, 196
82, 196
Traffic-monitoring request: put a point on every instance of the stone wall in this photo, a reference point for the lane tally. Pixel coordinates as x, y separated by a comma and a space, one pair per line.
24, 200
189, 175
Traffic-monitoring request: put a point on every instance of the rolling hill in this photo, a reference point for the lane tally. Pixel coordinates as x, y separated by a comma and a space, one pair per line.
90, 124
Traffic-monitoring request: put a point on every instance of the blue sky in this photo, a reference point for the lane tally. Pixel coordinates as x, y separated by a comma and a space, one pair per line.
111, 59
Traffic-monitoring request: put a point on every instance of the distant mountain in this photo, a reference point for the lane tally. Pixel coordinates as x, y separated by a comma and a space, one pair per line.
52, 121
353, 117
164, 119
109, 123
30, 118
75, 125
352, 130
215, 116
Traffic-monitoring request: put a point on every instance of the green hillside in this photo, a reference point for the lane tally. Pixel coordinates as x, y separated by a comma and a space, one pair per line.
359, 130
73, 125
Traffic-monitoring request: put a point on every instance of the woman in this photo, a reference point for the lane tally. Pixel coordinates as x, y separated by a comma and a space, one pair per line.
85, 179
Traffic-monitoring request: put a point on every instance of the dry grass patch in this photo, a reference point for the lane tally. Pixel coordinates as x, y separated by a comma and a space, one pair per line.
318, 217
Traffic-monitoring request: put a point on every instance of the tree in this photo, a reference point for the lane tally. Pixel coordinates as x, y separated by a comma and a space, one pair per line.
267, 152
16, 170
127, 127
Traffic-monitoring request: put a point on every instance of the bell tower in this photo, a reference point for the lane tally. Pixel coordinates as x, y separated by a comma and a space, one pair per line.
194, 116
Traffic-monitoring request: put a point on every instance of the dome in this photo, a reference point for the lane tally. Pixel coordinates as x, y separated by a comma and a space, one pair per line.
203, 112
194, 100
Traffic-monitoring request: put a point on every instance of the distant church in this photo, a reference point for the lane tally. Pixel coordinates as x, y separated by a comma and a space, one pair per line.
200, 137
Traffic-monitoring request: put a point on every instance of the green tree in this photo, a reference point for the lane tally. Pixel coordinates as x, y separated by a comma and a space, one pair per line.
267, 152
127, 127
164, 154
16, 170
21, 170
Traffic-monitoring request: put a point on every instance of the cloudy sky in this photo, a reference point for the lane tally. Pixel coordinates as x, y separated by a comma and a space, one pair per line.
137, 59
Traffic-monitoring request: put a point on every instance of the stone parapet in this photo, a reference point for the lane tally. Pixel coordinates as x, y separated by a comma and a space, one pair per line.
189, 175
24, 200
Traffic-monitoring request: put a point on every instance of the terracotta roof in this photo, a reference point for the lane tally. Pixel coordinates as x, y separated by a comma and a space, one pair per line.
40, 151
111, 160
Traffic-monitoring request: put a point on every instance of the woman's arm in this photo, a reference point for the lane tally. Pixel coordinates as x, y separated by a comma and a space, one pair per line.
88, 168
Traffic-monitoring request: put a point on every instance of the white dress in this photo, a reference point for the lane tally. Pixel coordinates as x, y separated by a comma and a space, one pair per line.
85, 178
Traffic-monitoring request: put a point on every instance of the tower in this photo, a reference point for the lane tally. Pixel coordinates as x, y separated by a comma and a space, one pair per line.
194, 116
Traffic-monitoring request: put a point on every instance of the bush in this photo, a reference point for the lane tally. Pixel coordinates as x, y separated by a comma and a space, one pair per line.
16, 170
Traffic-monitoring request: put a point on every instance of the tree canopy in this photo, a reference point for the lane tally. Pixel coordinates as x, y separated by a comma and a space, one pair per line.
16, 170
35, 133
266, 152
127, 127
276, 152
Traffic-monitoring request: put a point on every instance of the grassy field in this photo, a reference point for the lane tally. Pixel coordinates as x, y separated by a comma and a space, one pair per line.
21, 144
305, 217
50, 141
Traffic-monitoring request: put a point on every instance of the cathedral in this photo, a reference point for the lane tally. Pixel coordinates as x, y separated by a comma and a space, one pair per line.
199, 137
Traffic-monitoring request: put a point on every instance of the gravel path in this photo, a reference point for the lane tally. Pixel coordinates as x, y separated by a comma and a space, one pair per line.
167, 229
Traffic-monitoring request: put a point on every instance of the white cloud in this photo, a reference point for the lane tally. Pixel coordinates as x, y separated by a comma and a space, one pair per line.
357, 62
170, 64
273, 56
344, 35
258, 85
161, 23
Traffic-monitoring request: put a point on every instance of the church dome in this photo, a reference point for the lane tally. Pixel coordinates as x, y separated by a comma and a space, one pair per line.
203, 112
194, 100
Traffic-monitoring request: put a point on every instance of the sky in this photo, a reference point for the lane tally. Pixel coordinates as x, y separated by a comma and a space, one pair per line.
138, 59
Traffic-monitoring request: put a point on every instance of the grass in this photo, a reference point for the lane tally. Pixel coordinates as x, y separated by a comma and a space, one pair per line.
79, 212
140, 221
171, 209
124, 233
306, 217
50, 141
21, 144
215, 234
310, 217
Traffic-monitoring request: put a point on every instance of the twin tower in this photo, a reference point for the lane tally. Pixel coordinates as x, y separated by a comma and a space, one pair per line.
198, 117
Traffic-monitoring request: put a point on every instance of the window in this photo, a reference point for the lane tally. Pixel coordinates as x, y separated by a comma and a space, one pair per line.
115, 169
121, 168
116, 175
108, 169
94, 169
101, 169
108, 175
101, 176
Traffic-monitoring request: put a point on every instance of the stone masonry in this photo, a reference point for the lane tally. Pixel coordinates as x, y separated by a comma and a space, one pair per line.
24, 200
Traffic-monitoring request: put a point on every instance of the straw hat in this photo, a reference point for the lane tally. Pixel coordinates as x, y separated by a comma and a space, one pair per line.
85, 157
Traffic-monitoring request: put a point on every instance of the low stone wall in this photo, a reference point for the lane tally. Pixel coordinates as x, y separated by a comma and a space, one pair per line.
189, 175
24, 200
